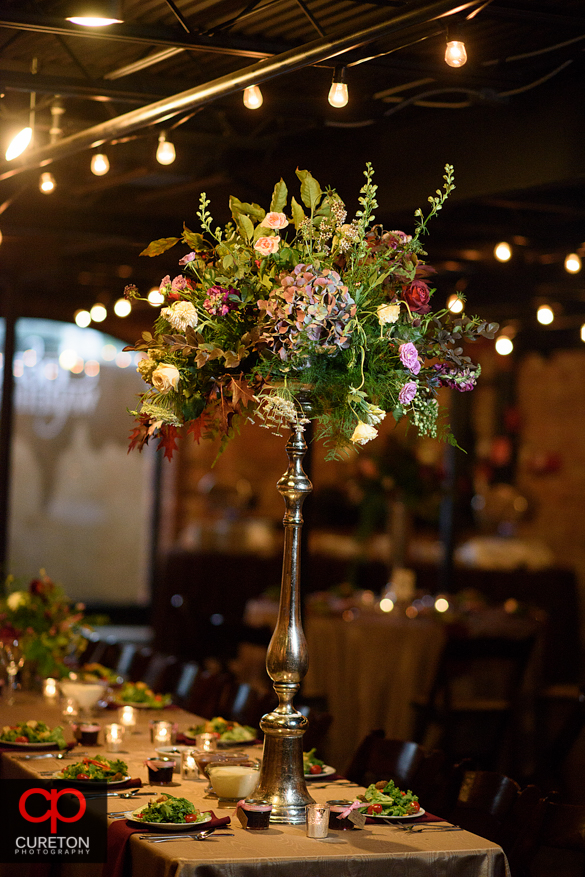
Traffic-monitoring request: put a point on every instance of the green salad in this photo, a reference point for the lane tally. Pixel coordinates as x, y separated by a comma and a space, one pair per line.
139, 693
32, 732
98, 769
386, 799
312, 764
167, 808
228, 732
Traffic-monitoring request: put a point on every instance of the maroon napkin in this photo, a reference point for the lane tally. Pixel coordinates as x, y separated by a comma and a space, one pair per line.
119, 832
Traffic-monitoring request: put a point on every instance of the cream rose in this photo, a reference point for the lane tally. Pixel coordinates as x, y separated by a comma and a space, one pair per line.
165, 378
388, 313
181, 315
16, 599
274, 220
363, 433
267, 245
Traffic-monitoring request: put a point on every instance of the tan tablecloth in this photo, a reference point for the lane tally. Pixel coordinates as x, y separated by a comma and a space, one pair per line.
283, 850
370, 669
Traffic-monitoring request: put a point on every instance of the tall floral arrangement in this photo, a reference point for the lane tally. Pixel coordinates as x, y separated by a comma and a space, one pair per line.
45, 622
301, 299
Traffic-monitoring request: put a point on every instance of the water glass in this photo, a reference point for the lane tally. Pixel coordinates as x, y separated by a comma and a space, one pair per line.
114, 737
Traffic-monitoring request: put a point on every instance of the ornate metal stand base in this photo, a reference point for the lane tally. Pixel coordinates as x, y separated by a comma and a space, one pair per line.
281, 777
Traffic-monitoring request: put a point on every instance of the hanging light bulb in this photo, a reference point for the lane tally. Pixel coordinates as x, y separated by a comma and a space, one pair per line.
155, 297
455, 53
98, 313
503, 251
47, 183
573, 263
583, 332
165, 152
100, 164
252, 97
504, 345
455, 304
1, 237
338, 93
122, 307
18, 144
95, 13
82, 318
545, 315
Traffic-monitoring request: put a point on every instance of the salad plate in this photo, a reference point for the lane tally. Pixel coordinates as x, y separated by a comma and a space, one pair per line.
326, 771
48, 744
134, 818
382, 818
111, 784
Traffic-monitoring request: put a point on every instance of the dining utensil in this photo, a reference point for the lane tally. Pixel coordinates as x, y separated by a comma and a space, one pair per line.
415, 829
58, 755
201, 835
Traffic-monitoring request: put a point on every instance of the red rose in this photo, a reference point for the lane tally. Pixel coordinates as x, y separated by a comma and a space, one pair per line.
417, 296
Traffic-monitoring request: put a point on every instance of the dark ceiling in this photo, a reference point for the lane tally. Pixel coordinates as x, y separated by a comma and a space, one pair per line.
511, 121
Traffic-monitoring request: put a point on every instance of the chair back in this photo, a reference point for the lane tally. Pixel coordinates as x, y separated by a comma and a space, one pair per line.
484, 802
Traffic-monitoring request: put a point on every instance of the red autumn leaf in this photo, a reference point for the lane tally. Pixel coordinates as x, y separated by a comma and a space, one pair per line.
197, 427
139, 435
168, 440
241, 391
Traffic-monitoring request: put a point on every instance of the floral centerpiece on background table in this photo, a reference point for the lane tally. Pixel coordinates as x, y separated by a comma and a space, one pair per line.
46, 624
296, 297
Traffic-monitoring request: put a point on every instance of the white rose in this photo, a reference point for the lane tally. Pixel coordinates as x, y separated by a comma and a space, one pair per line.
16, 599
181, 315
363, 433
388, 313
375, 414
165, 378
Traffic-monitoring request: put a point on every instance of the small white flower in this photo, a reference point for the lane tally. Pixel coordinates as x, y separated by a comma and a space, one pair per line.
165, 378
16, 599
363, 433
388, 313
180, 315
375, 414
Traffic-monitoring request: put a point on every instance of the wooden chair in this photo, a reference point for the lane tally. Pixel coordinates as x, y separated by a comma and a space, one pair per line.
212, 694
185, 682
560, 847
139, 663
403, 761
522, 829
316, 733
475, 698
250, 704
162, 673
485, 801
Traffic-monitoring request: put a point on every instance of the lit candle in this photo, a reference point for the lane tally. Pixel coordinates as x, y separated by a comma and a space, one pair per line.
317, 820
162, 734
50, 688
189, 769
206, 742
114, 737
127, 717
70, 708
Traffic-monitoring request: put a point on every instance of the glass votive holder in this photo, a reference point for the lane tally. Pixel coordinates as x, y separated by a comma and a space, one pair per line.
189, 766
336, 820
206, 742
162, 733
114, 737
70, 708
127, 717
317, 820
50, 689
160, 771
256, 814
87, 734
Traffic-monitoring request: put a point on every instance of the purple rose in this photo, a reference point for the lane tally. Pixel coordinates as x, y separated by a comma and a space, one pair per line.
407, 393
409, 357
188, 258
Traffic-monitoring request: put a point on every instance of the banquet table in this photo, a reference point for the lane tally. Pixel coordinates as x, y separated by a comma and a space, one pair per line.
378, 850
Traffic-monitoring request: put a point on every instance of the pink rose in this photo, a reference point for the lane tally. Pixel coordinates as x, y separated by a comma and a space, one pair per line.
188, 258
274, 220
407, 393
409, 357
267, 246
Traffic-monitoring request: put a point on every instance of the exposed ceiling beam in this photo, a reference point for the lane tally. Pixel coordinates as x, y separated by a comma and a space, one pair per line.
234, 44
67, 86
421, 13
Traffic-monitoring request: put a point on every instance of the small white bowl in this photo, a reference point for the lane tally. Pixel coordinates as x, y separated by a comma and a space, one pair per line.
86, 694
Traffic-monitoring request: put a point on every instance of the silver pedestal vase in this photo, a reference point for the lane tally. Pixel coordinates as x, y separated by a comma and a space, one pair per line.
282, 779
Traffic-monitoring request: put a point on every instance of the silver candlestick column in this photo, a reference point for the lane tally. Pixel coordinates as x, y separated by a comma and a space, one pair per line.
282, 779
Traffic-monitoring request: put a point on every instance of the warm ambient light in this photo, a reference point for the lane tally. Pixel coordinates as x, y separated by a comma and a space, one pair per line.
100, 164
122, 307
82, 318
573, 263
504, 345
545, 315
441, 604
455, 53
165, 152
503, 251
98, 313
18, 144
47, 183
155, 297
455, 304
583, 332
338, 93
1, 237
252, 97
95, 13
386, 604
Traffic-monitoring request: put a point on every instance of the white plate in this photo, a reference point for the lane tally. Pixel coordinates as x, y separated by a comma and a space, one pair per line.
49, 744
379, 816
113, 784
228, 744
326, 772
167, 826
174, 750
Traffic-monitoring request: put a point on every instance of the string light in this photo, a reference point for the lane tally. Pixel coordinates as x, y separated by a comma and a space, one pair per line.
18, 144
573, 263
503, 251
100, 164
1, 237
583, 332
122, 307
82, 318
97, 13
252, 97
47, 183
98, 313
504, 345
545, 315
155, 297
455, 53
165, 152
455, 304
338, 93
